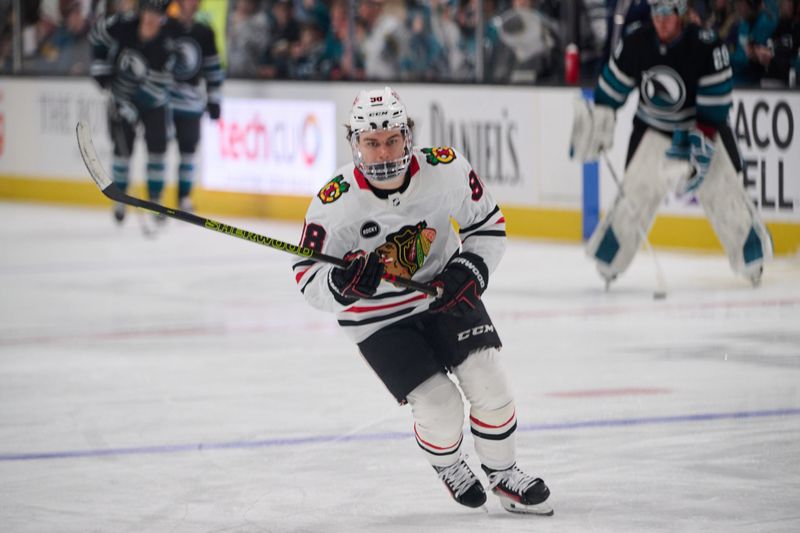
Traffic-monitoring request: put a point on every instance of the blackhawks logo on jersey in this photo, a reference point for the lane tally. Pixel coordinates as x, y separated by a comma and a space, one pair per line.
405, 250
333, 190
439, 154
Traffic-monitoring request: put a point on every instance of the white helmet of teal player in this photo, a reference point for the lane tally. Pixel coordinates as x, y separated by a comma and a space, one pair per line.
667, 7
379, 110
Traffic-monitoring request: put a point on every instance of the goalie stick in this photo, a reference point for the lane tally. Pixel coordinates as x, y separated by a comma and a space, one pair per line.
110, 189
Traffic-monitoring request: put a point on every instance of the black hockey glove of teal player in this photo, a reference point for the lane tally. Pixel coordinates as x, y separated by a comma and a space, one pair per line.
461, 282
359, 279
122, 110
214, 110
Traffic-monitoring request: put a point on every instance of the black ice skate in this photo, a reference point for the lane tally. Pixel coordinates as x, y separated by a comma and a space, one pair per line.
519, 492
462, 484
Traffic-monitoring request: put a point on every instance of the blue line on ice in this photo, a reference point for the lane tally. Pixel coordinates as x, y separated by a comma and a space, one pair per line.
316, 439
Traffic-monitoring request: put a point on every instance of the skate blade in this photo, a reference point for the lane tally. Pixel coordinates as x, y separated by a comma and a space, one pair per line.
540, 509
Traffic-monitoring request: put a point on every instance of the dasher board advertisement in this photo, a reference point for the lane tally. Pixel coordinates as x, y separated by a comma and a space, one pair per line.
270, 146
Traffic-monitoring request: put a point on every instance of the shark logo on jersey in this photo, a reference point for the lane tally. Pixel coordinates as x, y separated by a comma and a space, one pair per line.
439, 154
132, 64
663, 90
333, 190
188, 56
405, 250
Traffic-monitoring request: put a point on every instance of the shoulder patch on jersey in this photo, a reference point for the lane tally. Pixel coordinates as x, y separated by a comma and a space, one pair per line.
333, 190
706, 36
633, 26
439, 154
406, 249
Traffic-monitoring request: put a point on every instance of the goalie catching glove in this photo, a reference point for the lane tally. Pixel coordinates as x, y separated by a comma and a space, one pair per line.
461, 283
592, 130
359, 279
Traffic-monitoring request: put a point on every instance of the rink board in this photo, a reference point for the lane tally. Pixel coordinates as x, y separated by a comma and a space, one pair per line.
280, 142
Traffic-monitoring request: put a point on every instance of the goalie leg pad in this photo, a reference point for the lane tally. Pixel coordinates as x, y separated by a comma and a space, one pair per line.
438, 419
734, 217
492, 417
617, 238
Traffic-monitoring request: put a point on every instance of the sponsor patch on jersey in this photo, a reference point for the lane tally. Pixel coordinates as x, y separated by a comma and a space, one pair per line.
439, 154
405, 250
370, 229
333, 190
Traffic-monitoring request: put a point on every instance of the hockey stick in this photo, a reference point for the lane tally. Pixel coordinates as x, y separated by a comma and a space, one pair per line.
110, 189
661, 287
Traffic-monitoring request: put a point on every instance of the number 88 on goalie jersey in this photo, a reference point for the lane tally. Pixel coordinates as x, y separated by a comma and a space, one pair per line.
410, 229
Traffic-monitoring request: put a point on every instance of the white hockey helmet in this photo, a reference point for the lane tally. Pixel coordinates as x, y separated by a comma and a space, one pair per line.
379, 110
667, 7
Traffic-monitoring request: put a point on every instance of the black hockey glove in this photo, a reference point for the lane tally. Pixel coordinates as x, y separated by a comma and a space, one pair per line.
104, 81
214, 110
359, 279
121, 110
462, 282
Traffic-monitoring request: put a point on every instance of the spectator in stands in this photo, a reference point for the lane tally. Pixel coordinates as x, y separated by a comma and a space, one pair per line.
6, 36
593, 37
780, 56
497, 58
531, 36
67, 50
247, 37
106, 8
344, 62
284, 35
426, 59
723, 20
756, 26
384, 41
447, 32
36, 28
308, 54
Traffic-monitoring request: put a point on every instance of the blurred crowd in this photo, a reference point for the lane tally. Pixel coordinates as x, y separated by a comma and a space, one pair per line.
522, 41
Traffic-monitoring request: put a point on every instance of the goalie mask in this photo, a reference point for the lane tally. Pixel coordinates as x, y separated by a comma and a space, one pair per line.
667, 7
380, 111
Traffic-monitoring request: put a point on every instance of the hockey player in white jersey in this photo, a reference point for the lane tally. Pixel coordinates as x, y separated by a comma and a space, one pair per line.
684, 78
389, 214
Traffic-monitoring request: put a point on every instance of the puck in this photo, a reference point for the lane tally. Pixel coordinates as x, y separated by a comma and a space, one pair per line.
659, 295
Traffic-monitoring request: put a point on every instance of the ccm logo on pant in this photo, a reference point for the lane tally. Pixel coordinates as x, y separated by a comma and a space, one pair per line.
474, 332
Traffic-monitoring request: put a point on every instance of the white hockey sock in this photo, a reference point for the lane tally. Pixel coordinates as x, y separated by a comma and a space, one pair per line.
495, 436
438, 419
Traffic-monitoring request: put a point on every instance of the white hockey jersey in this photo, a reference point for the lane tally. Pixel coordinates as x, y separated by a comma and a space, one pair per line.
411, 229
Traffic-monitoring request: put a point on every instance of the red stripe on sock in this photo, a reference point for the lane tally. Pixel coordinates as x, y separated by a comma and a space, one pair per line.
428, 444
485, 425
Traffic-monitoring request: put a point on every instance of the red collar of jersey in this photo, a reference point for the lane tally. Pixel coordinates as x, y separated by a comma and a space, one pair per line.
361, 180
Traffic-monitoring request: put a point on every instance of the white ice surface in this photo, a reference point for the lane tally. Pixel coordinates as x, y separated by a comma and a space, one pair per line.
182, 384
